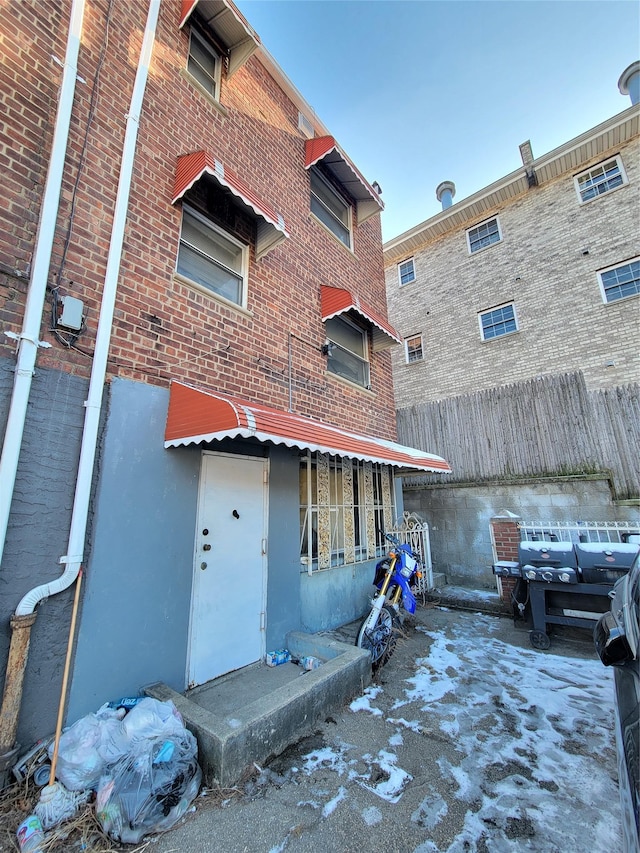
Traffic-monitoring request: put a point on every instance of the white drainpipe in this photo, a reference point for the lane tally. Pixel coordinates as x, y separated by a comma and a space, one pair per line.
73, 558
28, 339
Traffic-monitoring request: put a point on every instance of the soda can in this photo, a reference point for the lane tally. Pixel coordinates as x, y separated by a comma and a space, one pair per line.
30, 835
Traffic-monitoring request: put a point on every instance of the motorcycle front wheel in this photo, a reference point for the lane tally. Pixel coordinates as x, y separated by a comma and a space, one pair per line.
380, 640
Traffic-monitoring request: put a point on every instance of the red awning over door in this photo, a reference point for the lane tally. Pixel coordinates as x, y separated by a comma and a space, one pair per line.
196, 416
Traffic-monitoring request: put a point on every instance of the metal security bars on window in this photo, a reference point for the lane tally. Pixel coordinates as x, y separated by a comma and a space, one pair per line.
344, 507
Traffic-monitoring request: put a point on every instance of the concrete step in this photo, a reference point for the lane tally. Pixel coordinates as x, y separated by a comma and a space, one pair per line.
255, 713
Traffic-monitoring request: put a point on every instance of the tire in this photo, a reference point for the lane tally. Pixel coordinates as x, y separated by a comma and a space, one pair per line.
380, 641
539, 640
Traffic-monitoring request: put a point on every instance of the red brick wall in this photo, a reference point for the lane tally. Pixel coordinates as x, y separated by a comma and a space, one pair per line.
506, 537
163, 329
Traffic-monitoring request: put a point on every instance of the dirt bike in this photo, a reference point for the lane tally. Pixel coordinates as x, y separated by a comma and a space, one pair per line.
395, 575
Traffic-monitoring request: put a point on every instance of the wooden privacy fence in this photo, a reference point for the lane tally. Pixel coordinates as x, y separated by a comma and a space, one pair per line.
548, 426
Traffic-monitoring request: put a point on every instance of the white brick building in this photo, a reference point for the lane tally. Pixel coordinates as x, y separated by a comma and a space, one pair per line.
535, 274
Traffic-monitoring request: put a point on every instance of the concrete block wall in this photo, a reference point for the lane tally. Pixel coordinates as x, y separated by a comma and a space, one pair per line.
459, 518
539, 265
163, 327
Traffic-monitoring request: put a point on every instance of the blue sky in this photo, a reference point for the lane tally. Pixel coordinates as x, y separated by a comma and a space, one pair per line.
421, 91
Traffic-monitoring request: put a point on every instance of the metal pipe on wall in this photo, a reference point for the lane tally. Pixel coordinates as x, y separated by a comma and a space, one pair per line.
73, 559
28, 339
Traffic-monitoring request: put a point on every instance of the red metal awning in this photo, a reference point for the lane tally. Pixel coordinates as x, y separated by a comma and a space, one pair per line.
197, 416
191, 168
228, 24
337, 300
326, 150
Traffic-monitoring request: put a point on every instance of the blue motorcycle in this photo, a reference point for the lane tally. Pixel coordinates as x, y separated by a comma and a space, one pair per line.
394, 577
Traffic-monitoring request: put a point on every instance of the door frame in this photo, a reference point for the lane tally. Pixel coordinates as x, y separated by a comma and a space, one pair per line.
265, 550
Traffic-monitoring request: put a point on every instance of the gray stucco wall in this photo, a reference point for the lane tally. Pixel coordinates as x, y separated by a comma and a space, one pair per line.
133, 626
283, 585
459, 517
333, 597
38, 533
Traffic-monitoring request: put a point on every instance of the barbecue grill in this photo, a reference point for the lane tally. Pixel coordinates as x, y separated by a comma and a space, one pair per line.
566, 583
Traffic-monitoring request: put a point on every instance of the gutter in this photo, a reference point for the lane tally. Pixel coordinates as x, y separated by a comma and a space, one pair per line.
25, 612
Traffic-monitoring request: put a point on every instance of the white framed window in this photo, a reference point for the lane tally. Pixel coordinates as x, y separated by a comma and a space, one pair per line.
330, 207
406, 271
413, 349
620, 281
600, 179
497, 322
347, 350
204, 64
335, 502
212, 258
484, 235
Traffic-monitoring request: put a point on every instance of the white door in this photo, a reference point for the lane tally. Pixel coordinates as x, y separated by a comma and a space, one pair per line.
227, 609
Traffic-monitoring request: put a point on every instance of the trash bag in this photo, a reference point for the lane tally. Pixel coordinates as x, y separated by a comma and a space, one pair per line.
99, 740
150, 788
86, 748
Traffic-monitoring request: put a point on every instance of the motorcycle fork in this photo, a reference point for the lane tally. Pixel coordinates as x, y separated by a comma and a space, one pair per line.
381, 596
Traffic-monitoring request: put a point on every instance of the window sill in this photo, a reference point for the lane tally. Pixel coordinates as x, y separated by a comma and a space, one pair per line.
196, 85
333, 236
342, 381
198, 288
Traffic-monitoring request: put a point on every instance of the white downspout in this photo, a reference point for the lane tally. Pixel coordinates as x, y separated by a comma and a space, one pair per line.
73, 558
28, 339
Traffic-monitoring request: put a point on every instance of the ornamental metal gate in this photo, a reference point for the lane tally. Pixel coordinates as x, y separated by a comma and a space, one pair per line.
413, 531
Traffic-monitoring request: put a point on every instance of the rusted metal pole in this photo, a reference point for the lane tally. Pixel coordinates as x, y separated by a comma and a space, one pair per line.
12, 696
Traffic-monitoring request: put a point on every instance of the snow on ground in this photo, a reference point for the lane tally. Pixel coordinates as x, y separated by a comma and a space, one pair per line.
548, 720
530, 730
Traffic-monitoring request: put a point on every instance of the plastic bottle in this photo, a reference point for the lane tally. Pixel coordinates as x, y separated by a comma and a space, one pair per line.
30, 835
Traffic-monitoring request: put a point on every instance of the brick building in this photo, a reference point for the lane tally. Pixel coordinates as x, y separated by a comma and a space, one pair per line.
533, 277
192, 291
537, 273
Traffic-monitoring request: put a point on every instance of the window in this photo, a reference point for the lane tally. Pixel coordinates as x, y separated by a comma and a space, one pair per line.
497, 322
484, 235
413, 348
330, 208
211, 258
347, 354
621, 281
337, 496
407, 271
204, 64
600, 179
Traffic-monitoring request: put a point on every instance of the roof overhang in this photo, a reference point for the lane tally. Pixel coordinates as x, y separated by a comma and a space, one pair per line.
196, 416
572, 157
228, 25
325, 150
193, 167
337, 300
